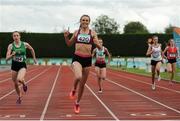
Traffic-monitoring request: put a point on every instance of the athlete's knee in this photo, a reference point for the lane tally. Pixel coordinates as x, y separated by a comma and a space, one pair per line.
13, 79
158, 69
82, 84
20, 79
169, 70
153, 73
78, 78
103, 78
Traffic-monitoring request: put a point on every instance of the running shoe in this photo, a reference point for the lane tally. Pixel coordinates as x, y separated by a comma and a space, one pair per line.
18, 100
72, 94
159, 78
24, 88
100, 91
153, 86
76, 108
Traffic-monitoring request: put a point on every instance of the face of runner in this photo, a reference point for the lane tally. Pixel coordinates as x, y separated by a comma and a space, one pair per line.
100, 42
84, 21
155, 40
171, 42
16, 36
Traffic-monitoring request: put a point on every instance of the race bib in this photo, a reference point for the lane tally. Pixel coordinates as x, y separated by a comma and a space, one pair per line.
172, 55
100, 53
155, 54
18, 59
84, 38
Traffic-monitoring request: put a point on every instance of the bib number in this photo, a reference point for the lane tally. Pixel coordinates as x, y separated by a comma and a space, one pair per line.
156, 54
172, 55
84, 38
19, 59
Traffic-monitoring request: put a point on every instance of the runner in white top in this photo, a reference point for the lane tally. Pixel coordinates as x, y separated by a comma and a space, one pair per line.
100, 64
156, 59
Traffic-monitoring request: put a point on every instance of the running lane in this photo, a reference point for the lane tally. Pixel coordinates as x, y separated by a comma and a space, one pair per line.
33, 102
61, 107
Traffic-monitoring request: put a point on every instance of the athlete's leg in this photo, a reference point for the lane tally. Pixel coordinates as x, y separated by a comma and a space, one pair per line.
153, 76
169, 70
102, 77
20, 78
173, 71
97, 69
157, 69
16, 84
82, 83
77, 69
169, 67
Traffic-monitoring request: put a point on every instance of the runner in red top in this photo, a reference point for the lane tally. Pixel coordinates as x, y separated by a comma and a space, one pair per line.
83, 38
172, 54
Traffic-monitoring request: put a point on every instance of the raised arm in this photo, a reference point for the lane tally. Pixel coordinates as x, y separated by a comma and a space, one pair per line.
149, 51
68, 41
9, 53
28, 46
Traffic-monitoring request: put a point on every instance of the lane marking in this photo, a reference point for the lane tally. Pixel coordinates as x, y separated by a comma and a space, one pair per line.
26, 82
166, 106
10, 77
6, 73
110, 112
102, 103
13, 116
22, 116
49, 97
147, 114
172, 90
68, 115
5, 80
83, 115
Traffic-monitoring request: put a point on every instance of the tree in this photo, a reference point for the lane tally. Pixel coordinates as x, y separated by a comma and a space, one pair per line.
105, 25
135, 28
169, 29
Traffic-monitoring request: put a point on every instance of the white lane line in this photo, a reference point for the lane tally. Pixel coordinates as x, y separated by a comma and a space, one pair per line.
6, 73
5, 80
26, 82
10, 78
168, 107
110, 112
49, 97
172, 90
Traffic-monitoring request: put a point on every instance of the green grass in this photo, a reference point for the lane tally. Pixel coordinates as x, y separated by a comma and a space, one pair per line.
164, 75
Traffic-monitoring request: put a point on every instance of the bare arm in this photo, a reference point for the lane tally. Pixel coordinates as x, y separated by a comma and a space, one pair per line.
178, 53
9, 53
109, 55
95, 40
94, 52
149, 51
68, 41
163, 53
32, 52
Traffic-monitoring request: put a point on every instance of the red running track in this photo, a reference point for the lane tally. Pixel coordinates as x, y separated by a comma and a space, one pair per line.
125, 96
